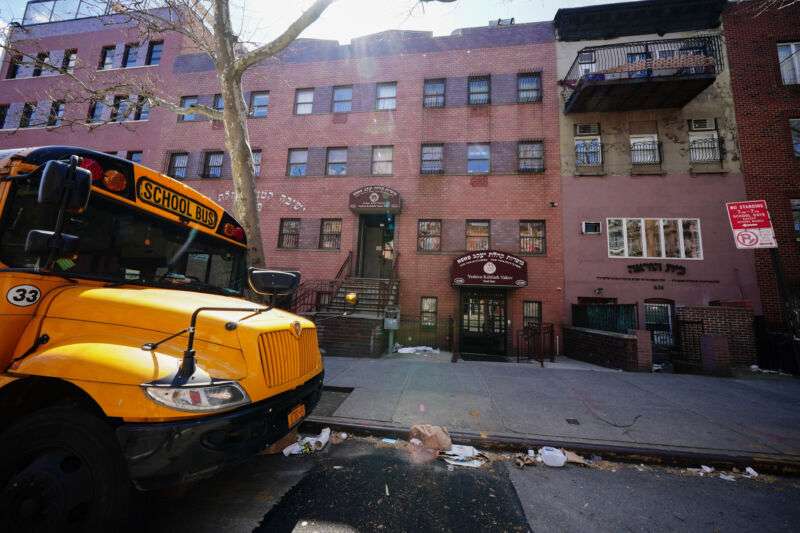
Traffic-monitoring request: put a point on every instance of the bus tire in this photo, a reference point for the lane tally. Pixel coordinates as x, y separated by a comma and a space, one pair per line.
61, 469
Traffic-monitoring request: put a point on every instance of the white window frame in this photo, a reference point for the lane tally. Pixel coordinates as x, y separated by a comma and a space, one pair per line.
642, 222
793, 59
302, 104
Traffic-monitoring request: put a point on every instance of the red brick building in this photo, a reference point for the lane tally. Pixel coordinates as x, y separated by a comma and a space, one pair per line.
387, 158
764, 55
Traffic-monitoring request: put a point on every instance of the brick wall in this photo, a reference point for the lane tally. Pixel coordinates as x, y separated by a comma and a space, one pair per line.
764, 106
631, 352
734, 323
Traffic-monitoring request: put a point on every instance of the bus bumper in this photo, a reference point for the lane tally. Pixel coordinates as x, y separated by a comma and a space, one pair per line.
169, 453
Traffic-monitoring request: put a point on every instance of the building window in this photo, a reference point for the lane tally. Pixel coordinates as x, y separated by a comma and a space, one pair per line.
428, 311
386, 96
130, 55
218, 103
186, 103
212, 164
789, 61
119, 110
672, 238
298, 162
479, 87
56, 115
645, 149
303, 101
796, 218
343, 99
134, 156
433, 93
588, 151
259, 104
336, 162
40, 63
432, 159
382, 163
530, 156
96, 111
142, 111
429, 235
13, 67
154, 50
478, 158
531, 313
289, 236
107, 58
794, 126
704, 145
586, 62
529, 87
330, 234
69, 61
178, 164
25, 119
532, 238
256, 163
3, 115
477, 235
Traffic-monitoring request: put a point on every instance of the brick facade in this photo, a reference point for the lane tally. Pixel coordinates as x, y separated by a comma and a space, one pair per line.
627, 351
764, 105
733, 323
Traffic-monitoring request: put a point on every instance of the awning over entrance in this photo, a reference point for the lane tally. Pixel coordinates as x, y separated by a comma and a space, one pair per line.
375, 199
489, 268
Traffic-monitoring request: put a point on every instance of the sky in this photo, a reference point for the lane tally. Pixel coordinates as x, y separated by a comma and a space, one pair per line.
264, 19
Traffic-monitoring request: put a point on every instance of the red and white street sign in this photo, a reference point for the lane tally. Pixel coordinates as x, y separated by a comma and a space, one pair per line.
751, 225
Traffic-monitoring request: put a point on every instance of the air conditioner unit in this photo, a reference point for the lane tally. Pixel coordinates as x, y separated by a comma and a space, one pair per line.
591, 228
702, 124
587, 129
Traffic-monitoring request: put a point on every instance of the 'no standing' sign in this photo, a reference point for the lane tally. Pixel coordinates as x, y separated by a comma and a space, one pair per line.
751, 225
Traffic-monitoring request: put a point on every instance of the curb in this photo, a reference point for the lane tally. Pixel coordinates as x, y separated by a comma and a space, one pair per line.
780, 465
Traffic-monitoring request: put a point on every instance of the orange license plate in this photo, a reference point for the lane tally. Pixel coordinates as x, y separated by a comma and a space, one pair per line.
297, 414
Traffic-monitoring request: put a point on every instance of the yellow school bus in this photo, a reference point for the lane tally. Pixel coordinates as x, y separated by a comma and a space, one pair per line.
128, 355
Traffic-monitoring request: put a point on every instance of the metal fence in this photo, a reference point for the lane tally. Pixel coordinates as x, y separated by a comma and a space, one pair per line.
536, 342
619, 318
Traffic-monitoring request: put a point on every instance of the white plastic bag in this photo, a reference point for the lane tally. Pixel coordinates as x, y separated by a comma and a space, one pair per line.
552, 456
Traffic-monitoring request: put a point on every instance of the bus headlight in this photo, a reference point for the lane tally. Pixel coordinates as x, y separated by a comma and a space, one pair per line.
217, 397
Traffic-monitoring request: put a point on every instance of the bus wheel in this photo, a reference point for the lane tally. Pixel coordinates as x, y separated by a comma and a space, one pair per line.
62, 469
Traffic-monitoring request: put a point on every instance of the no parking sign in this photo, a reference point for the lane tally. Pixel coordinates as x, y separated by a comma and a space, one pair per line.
751, 225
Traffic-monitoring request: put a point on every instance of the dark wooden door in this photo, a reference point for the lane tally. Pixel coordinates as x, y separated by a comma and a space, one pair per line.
483, 322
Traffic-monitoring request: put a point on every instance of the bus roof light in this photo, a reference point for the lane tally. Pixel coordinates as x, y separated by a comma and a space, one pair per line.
114, 180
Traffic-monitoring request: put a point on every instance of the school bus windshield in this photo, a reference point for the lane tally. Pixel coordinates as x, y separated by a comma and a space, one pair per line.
122, 244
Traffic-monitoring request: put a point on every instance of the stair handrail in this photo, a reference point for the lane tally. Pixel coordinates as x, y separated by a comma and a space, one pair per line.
346, 268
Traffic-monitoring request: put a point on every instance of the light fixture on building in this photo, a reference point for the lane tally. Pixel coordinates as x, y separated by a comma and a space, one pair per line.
598, 291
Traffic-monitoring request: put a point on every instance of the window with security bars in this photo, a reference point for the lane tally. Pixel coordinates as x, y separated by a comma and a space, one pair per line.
477, 235
532, 237
530, 156
433, 93
478, 159
645, 149
386, 96
479, 90
428, 311
382, 160
330, 234
303, 101
256, 163
289, 233
259, 104
298, 162
178, 165
529, 87
343, 99
531, 313
336, 162
432, 159
429, 235
588, 151
212, 164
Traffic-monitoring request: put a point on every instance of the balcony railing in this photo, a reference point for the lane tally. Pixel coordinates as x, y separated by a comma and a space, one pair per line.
588, 157
609, 77
703, 151
646, 153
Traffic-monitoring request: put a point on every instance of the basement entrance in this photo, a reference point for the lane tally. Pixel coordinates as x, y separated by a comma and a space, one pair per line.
376, 246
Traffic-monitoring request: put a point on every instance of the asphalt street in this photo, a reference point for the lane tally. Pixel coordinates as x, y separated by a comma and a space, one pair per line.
364, 485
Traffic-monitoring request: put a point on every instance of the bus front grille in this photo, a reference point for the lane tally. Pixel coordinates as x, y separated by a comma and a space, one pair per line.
285, 357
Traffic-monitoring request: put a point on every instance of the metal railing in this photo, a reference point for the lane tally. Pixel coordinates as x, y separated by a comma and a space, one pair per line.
646, 59
646, 153
589, 157
619, 318
535, 341
314, 294
706, 150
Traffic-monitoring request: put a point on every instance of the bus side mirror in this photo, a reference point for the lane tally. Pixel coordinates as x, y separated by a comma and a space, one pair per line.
272, 282
64, 182
40, 242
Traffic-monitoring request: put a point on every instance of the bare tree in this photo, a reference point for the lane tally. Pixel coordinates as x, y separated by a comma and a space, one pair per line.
209, 27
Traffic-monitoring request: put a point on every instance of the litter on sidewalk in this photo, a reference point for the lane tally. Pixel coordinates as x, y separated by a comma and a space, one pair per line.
308, 444
750, 472
460, 455
424, 350
387, 440
552, 456
338, 437
432, 437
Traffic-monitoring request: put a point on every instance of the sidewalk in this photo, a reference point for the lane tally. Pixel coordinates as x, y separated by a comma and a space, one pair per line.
573, 404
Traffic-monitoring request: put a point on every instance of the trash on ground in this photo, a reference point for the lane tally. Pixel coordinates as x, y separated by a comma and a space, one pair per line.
552, 456
433, 437
706, 469
338, 437
727, 477
387, 488
415, 442
460, 455
387, 440
573, 457
337, 467
750, 472
657, 367
525, 459
424, 350
308, 444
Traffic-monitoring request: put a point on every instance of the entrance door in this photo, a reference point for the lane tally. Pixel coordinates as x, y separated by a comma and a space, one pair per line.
483, 321
376, 246
658, 320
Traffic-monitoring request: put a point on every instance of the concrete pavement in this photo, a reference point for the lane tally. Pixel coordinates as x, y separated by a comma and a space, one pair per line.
574, 404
